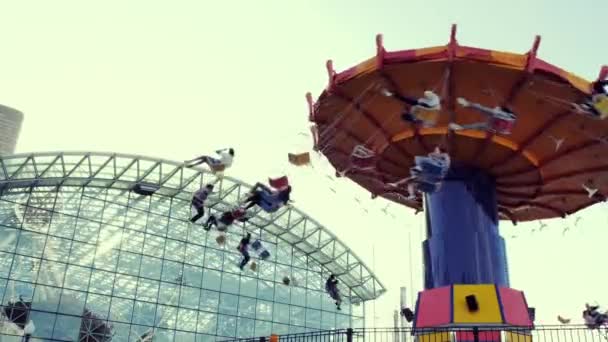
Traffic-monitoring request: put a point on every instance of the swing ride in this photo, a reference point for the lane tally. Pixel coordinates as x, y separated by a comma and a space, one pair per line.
535, 177
520, 149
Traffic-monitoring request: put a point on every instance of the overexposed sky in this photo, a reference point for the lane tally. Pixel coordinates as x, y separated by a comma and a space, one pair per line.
174, 79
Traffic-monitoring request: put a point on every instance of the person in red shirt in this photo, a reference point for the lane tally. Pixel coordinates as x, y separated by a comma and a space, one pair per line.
226, 219
500, 120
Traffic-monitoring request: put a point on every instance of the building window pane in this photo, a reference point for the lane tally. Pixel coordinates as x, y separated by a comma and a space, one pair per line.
247, 307
281, 313
66, 328
209, 301
249, 287
264, 310
189, 297
263, 328
226, 326
150, 267
72, 302
187, 320
230, 283
46, 298
211, 279
207, 323
245, 327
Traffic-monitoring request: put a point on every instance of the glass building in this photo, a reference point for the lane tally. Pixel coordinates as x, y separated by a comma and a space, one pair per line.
99, 247
10, 126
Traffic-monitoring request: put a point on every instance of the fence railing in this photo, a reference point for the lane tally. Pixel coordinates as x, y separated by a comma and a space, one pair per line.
481, 334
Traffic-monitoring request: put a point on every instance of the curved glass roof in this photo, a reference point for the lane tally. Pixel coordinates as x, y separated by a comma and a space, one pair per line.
121, 171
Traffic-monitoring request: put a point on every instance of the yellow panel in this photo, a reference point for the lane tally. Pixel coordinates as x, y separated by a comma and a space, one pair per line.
365, 67
443, 336
513, 59
430, 50
489, 310
505, 142
515, 337
578, 82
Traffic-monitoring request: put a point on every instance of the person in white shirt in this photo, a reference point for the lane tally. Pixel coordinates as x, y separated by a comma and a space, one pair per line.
424, 111
224, 161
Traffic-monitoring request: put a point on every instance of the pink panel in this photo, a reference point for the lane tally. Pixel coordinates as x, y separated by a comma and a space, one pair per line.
514, 308
484, 336
434, 308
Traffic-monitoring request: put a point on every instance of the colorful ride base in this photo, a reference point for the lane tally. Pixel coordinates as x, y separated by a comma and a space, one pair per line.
497, 309
552, 163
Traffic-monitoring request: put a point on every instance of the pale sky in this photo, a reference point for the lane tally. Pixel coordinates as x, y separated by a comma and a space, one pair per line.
174, 79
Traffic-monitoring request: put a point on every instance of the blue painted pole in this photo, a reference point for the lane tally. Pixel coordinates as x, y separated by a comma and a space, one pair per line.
463, 245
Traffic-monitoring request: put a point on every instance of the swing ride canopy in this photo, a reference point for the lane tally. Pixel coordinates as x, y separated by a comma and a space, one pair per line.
541, 169
312, 242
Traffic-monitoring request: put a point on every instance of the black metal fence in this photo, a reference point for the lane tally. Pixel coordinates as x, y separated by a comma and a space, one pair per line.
539, 333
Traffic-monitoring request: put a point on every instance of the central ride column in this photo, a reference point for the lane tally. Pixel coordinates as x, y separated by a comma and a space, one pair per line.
463, 245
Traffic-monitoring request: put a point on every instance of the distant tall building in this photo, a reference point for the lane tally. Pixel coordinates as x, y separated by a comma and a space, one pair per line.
10, 126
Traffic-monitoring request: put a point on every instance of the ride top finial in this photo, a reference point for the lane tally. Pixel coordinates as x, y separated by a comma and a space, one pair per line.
379, 42
310, 106
453, 35
331, 73
380, 50
453, 43
532, 54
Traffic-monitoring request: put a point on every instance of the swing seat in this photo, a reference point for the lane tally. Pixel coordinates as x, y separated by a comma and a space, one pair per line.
502, 126
286, 281
427, 115
269, 202
253, 266
361, 151
431, 168
265, 255
256, 245
428, 188
363, 158
299, 159
217, 167
278, 183
363, 163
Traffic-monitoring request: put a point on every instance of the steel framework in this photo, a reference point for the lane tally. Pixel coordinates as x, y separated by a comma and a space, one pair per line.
23, 172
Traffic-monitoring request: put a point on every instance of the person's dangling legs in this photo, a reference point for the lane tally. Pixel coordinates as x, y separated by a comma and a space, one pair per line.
253, 200
196, 161
260, 186
246, 257
211, 221
407, 116
478, 126
200, 210
335, 295
408, 100
411, 189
